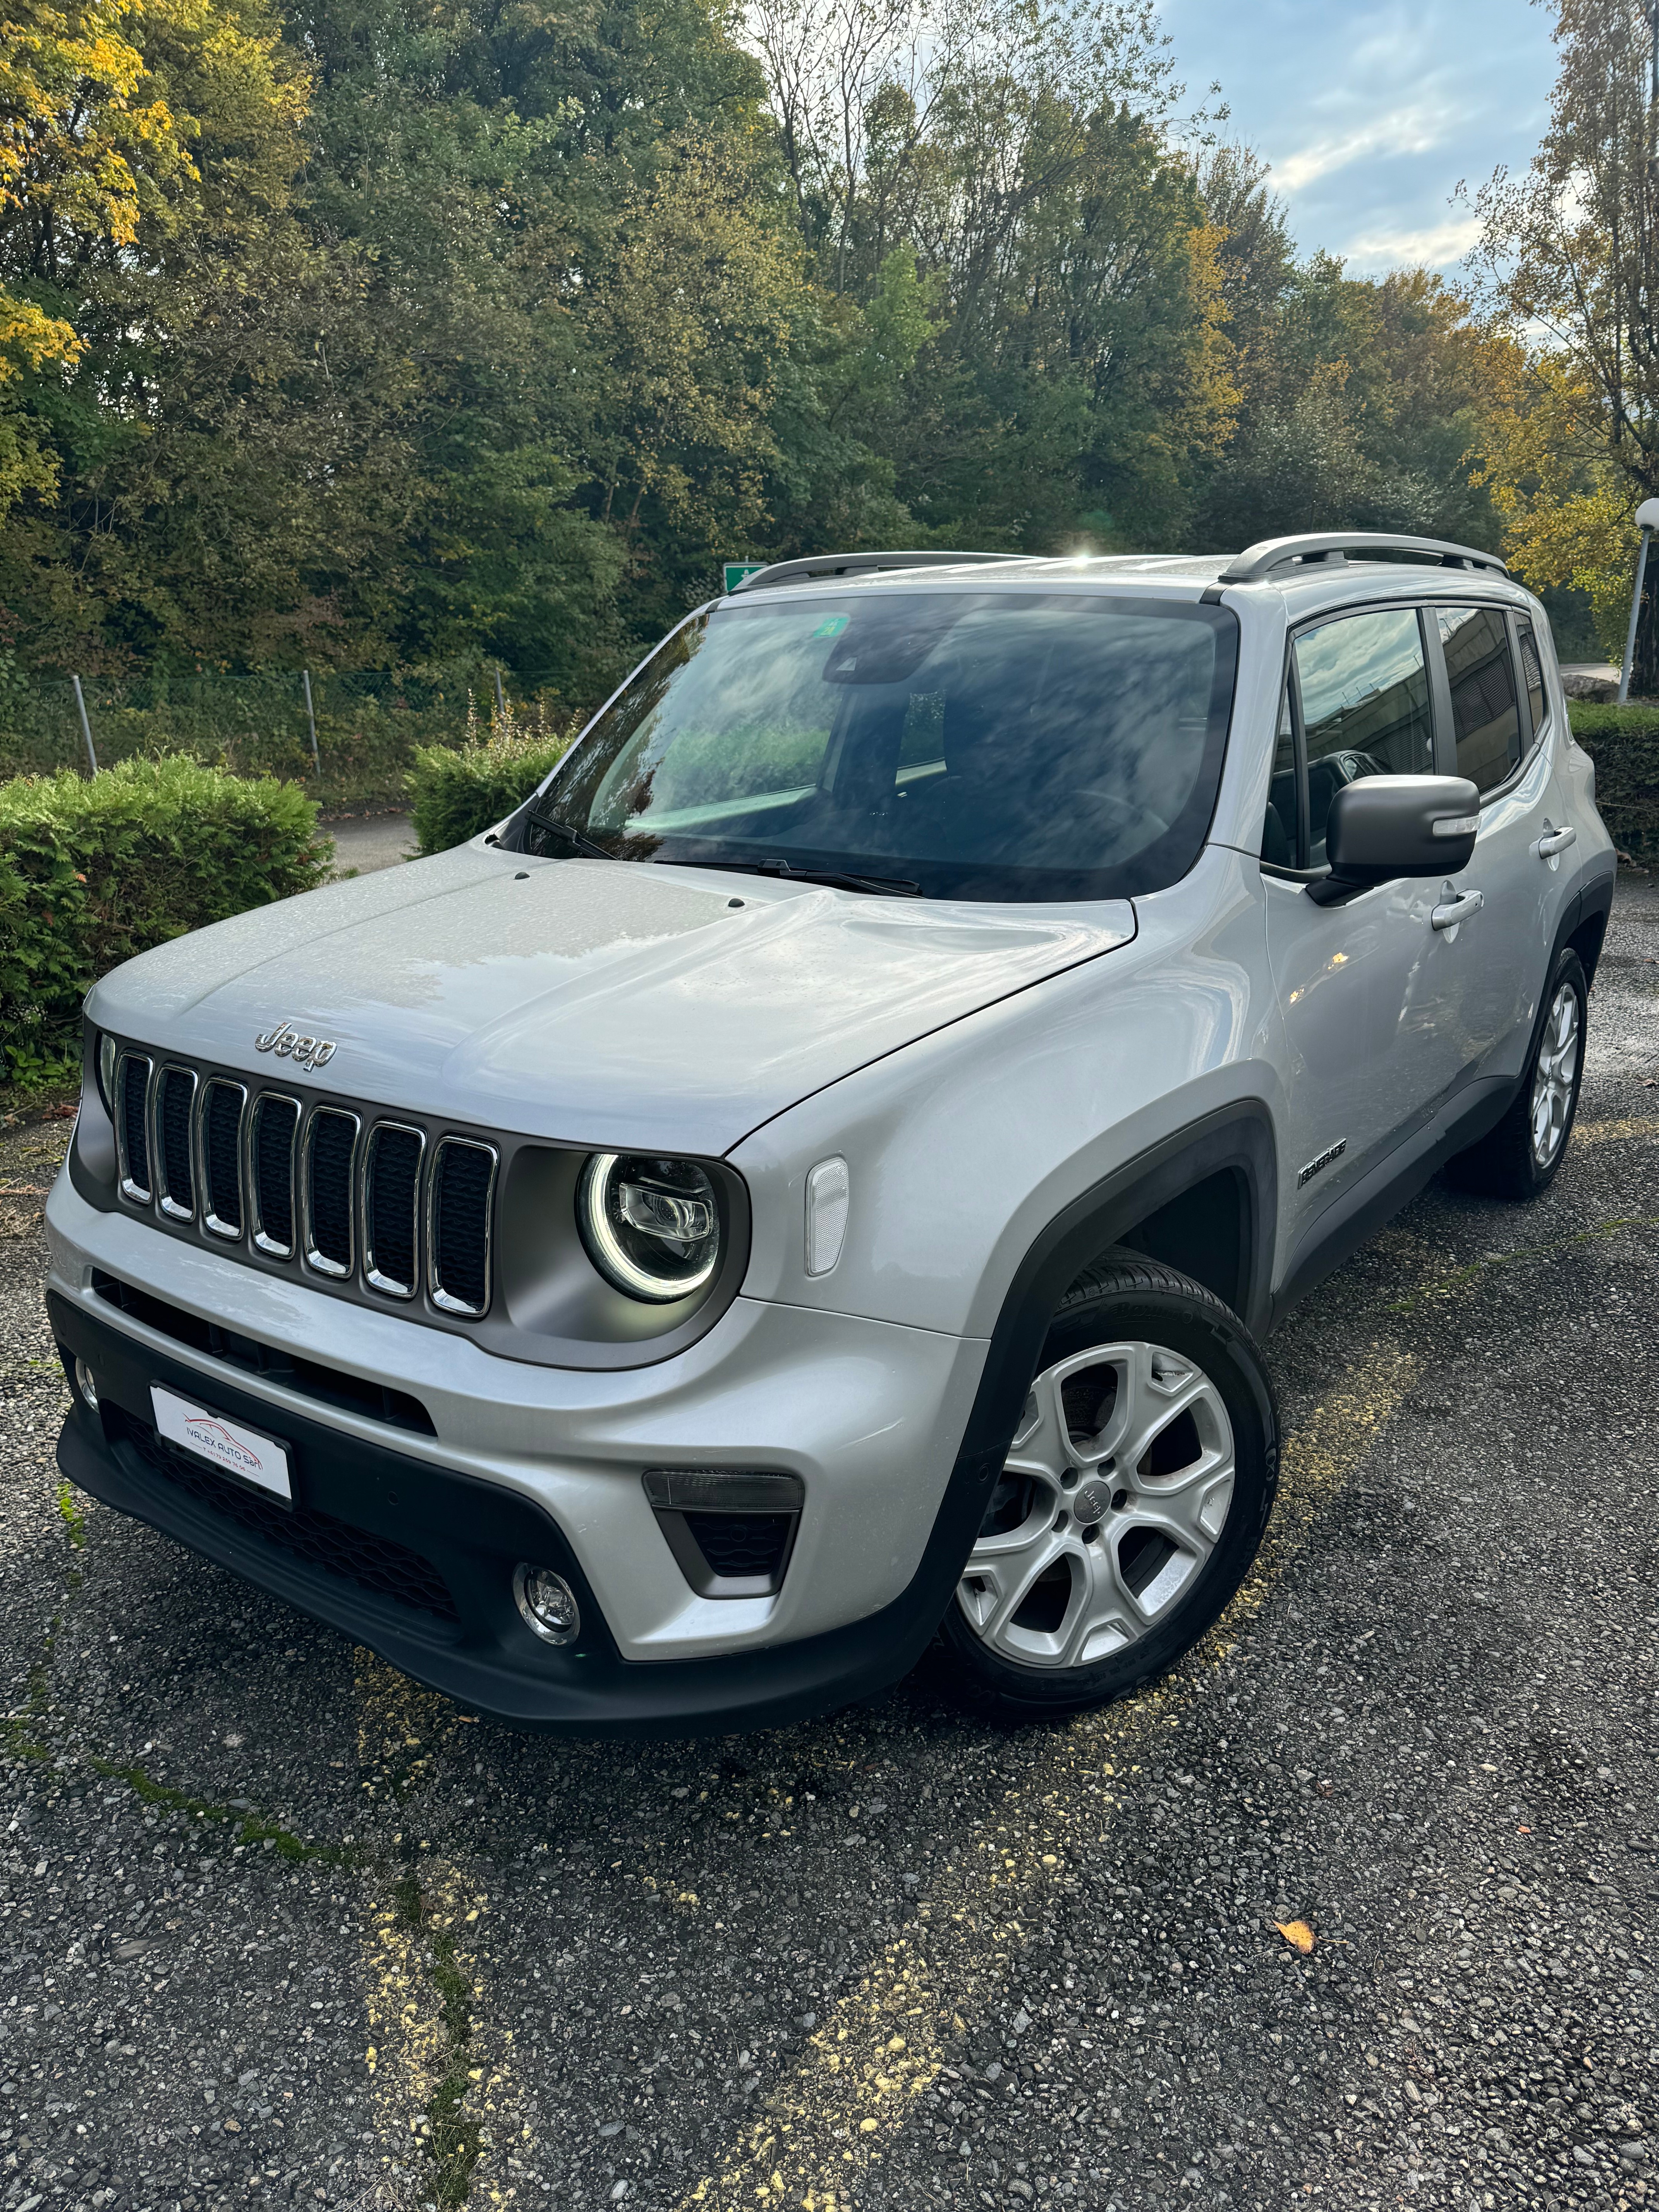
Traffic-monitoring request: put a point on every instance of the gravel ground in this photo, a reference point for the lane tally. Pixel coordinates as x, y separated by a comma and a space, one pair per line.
274, 1923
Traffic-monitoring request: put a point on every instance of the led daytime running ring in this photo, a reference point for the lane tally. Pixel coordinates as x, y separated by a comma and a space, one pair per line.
619, 1266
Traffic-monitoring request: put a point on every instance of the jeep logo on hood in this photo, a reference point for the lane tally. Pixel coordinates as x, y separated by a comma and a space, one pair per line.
308, 1052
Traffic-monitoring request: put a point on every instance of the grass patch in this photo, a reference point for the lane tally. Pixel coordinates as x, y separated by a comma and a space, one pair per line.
250, 1828
1446, 1286
454, 2133
71, 1516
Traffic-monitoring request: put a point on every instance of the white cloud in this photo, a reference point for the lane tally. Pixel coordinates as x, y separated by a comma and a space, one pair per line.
1408, 131
1434, 249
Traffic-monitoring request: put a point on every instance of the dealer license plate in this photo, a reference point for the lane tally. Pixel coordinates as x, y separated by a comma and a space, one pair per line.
224, 1444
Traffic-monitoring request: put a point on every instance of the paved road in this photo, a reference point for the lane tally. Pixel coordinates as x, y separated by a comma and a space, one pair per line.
275, 1925
366, 843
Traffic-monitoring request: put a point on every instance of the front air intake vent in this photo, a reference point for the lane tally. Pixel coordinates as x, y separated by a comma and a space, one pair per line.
457, 1235
391, 1191
132, 1128
175, 1094
731, 1530
223, 1104
331, 1144
270, 1156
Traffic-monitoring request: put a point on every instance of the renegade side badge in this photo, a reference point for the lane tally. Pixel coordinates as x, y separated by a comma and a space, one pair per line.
1331, 1152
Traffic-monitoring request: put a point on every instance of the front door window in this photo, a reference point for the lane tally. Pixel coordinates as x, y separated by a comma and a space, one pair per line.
1365, 709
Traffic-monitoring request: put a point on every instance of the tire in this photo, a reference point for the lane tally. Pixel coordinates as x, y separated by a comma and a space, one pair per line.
1091, 1574
1521, 1157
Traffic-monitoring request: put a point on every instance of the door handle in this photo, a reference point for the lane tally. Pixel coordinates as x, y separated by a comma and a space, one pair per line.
1458, 909
1555, 840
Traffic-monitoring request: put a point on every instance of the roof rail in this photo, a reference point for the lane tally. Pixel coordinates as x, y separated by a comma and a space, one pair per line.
1262, 560
825, 567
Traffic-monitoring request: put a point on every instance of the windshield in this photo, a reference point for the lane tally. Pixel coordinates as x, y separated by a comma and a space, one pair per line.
981, 745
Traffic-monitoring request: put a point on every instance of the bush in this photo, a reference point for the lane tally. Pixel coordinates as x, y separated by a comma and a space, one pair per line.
456, 794
1624, 743
92, 871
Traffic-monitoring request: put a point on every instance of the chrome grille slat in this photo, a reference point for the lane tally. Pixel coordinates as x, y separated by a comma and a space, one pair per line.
273, 1131
460, 1194
219, 1155
327, 1183
132, 1127
171, 1134
390, 1208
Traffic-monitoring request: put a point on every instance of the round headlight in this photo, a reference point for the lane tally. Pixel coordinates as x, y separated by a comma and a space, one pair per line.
652, 1227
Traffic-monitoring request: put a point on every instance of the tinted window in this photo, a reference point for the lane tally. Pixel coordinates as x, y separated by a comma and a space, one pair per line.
1532, 671
1365, 707
1278, 830
977, 744
1484, 713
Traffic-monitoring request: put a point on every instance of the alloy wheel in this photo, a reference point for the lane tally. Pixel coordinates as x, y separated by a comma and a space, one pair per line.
1555, 1078
1116, 1493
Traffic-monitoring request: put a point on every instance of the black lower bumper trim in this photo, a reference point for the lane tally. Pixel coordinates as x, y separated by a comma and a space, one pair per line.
471, 1534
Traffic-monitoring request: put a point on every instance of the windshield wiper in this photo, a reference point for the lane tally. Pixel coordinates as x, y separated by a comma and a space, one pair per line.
884, 886
573, 837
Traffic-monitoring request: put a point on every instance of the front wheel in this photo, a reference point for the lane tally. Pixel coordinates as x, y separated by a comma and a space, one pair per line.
1133, 1498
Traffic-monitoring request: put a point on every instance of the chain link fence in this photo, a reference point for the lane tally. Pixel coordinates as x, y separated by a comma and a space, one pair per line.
349, 738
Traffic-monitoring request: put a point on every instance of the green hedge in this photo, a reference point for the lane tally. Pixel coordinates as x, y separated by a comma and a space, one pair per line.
93, 871
1624, 743
455, 795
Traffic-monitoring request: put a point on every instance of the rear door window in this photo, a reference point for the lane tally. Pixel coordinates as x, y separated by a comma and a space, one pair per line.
1485, 708
1532, 671
1366, 711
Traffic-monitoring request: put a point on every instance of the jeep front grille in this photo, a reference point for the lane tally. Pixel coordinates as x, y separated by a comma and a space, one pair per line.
348, 1197
222, 1156
132, 1128
276, 1126
175, 1096
391, 1201
462, 1183
331, 1144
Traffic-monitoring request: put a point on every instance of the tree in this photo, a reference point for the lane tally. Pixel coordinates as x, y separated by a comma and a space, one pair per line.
85, 143
149, 165
1018, 160
1569, 255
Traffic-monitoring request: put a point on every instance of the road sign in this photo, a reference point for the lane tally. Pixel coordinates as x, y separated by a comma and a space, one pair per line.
737, 570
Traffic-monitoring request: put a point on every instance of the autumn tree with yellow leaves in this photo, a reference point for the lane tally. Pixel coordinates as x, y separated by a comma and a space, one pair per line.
1570, 255
105, 110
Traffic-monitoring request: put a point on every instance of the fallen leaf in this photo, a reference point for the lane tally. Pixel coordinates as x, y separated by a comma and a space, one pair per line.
1297, 1934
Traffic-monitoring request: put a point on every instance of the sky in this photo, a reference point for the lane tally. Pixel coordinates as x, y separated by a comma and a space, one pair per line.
1372, 111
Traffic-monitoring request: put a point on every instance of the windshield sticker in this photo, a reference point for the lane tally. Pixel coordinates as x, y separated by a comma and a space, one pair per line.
832, 626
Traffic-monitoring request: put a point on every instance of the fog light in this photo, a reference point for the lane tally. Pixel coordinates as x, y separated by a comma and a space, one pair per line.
548, 1603
85, 1386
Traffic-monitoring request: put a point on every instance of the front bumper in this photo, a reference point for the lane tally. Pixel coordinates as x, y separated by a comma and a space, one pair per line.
408, 1542
417, 1563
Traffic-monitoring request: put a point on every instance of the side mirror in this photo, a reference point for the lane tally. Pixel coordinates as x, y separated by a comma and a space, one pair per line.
1387, 826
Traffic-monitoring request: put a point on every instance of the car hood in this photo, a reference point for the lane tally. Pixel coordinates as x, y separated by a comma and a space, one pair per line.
596, 1002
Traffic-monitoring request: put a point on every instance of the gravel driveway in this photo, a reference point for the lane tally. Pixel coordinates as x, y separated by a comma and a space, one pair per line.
276, 1924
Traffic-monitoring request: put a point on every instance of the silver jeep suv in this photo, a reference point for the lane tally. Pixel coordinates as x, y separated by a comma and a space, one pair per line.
813, 1180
